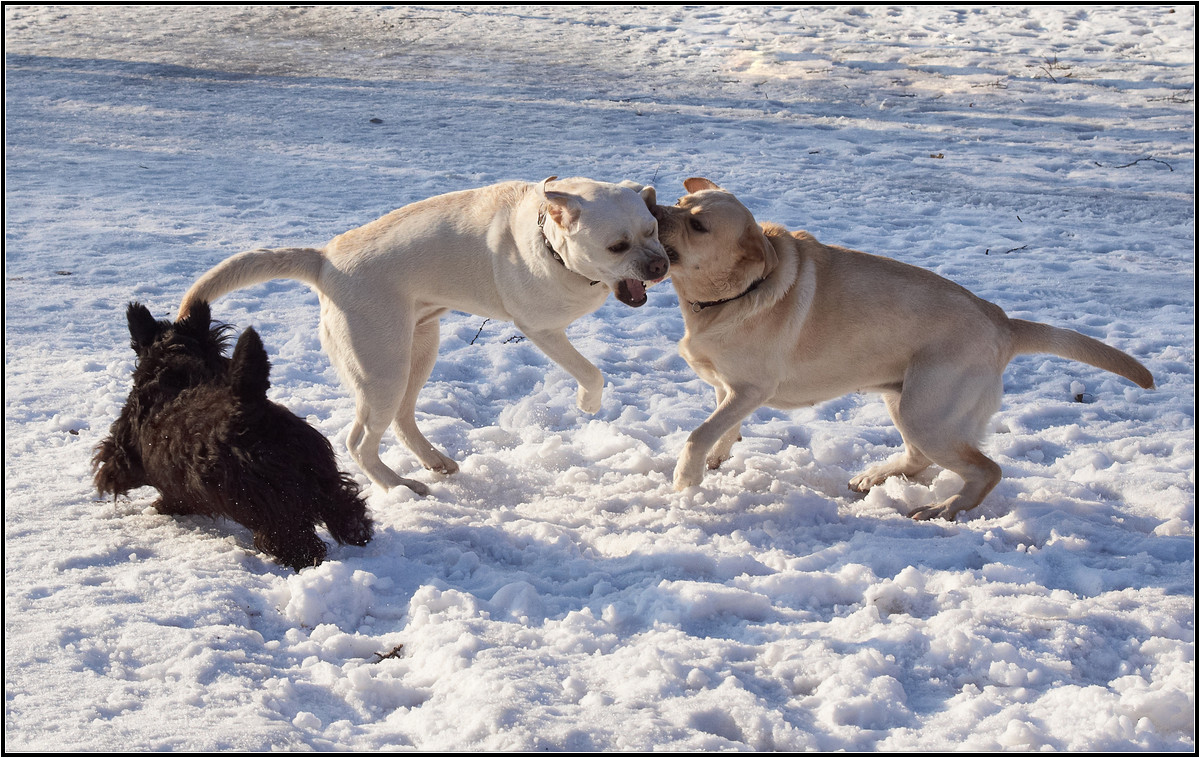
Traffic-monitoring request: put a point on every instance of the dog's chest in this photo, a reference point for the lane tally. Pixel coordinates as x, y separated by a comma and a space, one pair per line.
702, 357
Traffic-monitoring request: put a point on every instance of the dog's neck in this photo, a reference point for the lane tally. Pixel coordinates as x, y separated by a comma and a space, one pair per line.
701, 305
778, 280
550, 247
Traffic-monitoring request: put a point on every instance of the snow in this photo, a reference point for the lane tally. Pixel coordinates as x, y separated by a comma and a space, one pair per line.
556, 593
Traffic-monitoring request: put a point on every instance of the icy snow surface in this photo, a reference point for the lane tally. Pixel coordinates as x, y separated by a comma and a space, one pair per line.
557, 594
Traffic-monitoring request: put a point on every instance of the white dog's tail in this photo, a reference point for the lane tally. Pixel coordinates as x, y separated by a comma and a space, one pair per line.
255, 267
1032, 337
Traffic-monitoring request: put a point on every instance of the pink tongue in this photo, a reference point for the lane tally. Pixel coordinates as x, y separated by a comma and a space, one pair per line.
636, 290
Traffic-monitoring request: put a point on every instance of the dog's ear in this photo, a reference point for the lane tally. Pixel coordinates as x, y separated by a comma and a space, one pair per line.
647, 193
249, 370
143, 327
697, 183
650, 197
754, 246
563, 208
198, 318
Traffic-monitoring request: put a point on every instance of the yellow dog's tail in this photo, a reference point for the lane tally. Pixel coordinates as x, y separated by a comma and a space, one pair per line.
1032, 337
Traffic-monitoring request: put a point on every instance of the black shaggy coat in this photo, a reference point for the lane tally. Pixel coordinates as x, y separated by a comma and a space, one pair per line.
198, 427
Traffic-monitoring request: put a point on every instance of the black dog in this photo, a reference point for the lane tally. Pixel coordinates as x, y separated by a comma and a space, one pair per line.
198, 427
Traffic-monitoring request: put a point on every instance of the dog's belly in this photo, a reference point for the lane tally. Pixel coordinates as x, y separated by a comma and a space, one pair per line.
798, 384
792, 395
831, 376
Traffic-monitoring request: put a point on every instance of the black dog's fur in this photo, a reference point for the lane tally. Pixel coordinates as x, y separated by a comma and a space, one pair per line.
198, 427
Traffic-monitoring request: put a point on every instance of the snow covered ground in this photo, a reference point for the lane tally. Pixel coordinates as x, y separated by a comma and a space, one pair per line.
557, 594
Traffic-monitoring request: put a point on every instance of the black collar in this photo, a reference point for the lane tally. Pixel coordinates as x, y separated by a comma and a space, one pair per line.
546, 241
699, 306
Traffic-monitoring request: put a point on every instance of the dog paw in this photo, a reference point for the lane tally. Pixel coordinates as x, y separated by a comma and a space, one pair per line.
928, 512
172, 507
862, 483
441, 464
358, 533
687, 475
715, 461
418, 489
872, 477
948, 509
295, 548
589, 401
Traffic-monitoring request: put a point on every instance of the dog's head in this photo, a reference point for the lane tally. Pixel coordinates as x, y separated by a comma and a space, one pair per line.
177, 355
717, 249
607, 233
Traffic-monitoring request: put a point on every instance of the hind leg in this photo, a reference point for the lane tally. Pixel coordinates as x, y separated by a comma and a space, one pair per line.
371, 354
345, 513
422, 357
294, 547
348, 525
944, 414
908, 463
980, 474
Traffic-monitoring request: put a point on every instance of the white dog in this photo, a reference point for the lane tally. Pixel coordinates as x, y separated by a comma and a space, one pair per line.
776, 318
538, 255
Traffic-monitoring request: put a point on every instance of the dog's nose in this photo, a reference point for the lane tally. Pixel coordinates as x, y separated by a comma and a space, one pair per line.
657, 268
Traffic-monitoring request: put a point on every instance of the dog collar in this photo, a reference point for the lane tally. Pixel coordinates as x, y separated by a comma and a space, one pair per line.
699, 306
546, 241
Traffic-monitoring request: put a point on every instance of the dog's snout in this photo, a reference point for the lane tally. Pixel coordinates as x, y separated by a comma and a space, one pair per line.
657, 268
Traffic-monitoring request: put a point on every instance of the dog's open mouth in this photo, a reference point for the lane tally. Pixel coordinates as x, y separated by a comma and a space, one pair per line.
631, 292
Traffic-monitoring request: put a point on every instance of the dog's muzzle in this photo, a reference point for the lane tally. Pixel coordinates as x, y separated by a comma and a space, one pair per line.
632, 292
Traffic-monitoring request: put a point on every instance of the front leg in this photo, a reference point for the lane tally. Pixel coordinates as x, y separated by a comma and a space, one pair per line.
722, 426
720, 452
554, 343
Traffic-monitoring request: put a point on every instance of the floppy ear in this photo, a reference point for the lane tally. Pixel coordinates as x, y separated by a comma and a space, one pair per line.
755, 246
696, 183
563, 208
143, 327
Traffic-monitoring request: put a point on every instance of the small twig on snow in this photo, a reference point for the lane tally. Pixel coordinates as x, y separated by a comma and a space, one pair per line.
1013, 250
393, 653
472, 342
1139, 160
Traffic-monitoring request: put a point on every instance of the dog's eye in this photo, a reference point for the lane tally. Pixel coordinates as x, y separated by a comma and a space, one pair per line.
697, 226
620, 247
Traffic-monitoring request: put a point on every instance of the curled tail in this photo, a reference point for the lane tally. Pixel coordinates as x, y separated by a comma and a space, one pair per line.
1032, 337
254, 267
